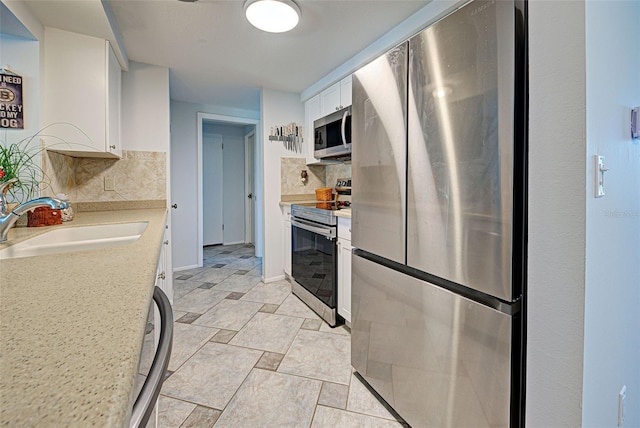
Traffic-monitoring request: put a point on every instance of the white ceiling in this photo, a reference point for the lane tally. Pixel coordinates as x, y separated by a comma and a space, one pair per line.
216, 57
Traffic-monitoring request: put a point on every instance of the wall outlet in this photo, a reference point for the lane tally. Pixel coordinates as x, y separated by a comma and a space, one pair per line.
622, 398
109, 183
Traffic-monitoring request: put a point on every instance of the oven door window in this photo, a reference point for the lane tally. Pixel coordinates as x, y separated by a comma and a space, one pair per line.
313, 264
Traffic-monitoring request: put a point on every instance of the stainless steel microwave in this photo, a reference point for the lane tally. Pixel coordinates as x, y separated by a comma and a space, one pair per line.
332, 135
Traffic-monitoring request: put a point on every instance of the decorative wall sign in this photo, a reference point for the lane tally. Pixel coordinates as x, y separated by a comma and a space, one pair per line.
11, 107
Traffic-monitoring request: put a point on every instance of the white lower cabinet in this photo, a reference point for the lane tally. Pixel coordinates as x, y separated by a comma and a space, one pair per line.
164, 280
164, 277
286, 238
344, 268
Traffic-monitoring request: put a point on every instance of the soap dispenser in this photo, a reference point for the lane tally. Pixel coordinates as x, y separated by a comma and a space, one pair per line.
67, 214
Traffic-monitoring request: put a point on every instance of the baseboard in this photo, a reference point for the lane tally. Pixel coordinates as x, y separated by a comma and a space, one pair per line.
233, 243
181, 268
273, 279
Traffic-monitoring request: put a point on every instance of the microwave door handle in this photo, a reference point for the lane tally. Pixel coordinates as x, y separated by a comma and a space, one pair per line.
344, 125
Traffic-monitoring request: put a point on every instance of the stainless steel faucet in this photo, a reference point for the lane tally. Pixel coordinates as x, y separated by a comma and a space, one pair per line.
7, 219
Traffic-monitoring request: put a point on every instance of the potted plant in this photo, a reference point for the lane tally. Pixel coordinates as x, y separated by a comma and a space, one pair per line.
22, 161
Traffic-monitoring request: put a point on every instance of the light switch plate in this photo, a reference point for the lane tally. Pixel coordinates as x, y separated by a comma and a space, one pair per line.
109, 183
622, 398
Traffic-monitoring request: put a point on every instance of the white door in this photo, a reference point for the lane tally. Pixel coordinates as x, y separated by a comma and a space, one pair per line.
212, 189
249, 141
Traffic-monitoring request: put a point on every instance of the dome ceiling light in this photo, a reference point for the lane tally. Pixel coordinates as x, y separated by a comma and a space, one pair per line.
273, 16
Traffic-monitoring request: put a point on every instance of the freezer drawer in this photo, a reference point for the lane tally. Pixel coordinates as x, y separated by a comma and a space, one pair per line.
438, 359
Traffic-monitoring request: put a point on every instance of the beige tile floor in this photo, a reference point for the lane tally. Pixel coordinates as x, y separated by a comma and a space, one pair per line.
250, 354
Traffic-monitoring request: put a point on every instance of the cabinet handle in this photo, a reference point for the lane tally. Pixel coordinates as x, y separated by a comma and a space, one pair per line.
112, 147
166, 242
174, 206
161, 275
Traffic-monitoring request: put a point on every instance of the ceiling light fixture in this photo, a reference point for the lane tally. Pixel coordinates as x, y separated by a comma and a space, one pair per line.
273, 16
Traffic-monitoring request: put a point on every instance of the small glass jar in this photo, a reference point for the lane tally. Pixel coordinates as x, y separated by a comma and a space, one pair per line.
67, 214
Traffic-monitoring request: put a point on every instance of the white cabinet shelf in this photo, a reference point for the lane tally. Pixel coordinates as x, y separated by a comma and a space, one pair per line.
82, 82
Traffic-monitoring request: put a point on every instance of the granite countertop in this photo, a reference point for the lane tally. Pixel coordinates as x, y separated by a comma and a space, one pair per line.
72, 326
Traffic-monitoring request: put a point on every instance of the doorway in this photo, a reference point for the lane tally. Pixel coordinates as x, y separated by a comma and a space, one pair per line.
228, 191
213, 189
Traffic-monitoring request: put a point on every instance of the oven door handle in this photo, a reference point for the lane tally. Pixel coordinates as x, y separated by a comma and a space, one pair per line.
327, 232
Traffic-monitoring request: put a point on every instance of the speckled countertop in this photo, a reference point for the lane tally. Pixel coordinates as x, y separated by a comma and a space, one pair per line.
72, 327
342, 212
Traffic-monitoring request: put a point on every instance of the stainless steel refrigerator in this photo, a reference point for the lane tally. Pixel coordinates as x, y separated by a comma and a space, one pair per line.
439, 172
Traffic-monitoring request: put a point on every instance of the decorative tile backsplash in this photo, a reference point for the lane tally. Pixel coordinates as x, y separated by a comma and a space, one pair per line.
317, 176
137, 175
333, 172
291, 183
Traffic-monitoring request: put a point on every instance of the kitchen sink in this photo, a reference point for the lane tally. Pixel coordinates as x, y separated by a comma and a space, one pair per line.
79, 238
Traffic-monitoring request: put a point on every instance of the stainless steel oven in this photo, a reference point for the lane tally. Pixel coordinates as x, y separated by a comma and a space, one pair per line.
314, 260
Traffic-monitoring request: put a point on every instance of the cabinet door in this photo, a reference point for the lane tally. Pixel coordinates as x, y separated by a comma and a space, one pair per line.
345, 92
286, 239
168, 265
344, 279
287, 247
77, 94
311, 113
330, 100
114, 91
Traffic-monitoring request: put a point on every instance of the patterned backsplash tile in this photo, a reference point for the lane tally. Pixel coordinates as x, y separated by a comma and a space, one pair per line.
317, 176
137, 176
291, 183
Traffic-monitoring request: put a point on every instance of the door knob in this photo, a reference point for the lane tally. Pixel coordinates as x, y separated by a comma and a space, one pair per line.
174, 206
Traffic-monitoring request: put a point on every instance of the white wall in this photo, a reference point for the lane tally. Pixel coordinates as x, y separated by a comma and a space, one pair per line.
145, 108
23, 57
612, 295
232, 182
21, 11
277, 108
184, 185
556, 214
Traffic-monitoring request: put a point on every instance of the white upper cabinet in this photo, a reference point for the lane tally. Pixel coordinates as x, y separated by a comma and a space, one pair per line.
345, 92
336, 97
82, 87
